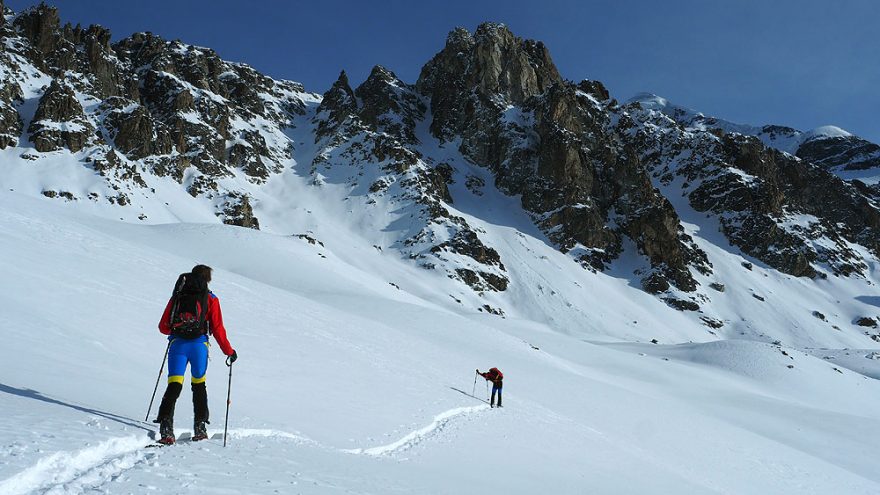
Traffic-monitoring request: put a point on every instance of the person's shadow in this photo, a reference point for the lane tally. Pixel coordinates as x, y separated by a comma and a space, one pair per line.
33, 394
872, 300
469, 395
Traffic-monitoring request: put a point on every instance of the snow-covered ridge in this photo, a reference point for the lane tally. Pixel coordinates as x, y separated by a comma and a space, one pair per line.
826, 131
786, 139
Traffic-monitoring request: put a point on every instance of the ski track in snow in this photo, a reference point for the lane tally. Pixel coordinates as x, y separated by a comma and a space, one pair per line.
75, 472
252, 432
416, 437
89, 468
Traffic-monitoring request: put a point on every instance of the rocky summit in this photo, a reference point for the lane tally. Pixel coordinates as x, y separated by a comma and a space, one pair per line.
598, 179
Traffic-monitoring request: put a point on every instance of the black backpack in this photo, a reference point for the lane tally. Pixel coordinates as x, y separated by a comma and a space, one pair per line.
189, 307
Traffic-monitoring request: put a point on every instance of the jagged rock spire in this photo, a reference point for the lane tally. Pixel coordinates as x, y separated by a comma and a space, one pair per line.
59, 121
40, 25
491, 62
390, 104
337, 105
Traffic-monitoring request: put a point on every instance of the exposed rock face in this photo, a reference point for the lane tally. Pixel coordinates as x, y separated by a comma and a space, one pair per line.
371, 132
829, 147
474, 68
337, 105
10, 122
56, 50
551, 142
164, 108
390, 105
40, 25
791, 214
59, 121
238, 211
130, 127
867, 321
846, 152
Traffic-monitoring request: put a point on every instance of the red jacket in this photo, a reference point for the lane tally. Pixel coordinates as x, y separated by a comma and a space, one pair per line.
214, 319
494, 375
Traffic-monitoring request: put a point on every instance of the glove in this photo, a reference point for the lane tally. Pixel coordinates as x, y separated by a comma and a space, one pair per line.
478, 371
231, 358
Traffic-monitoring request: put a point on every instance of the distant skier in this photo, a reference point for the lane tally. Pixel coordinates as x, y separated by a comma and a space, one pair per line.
495, 376
192, 313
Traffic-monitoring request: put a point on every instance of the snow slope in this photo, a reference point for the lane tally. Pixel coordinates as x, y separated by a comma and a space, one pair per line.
349, 384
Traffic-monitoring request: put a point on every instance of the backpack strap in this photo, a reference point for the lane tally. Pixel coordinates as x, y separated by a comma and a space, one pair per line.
181, 280
203, 314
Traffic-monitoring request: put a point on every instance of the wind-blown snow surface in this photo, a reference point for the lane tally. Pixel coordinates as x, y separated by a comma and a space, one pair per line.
347, 384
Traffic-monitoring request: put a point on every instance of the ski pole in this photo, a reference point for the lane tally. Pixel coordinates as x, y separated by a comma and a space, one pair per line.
147, 417
228, 401
475, 385
487, 389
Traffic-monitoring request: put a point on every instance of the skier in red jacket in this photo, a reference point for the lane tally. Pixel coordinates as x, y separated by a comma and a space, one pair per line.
189, 345
495, 376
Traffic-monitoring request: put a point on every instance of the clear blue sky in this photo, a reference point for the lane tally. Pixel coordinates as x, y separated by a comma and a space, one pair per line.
799, 63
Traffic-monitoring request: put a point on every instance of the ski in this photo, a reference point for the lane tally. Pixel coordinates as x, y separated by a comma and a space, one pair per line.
184, 437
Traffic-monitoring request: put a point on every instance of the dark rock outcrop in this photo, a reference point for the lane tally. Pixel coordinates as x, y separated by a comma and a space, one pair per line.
371, 131
41, 26
10, 122
337, 105
59, 121
846, 152
130, 127
866, 321
491, 62
237, 210
793, 215
390, 105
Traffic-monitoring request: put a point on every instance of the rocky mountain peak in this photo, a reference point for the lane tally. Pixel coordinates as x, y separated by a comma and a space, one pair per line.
40, 25
550, 142
380, 73
511, 66
493, 64
389, 104
337, 105
459, 39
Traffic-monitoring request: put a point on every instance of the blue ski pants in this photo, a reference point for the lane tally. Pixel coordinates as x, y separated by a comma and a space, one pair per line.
193, 352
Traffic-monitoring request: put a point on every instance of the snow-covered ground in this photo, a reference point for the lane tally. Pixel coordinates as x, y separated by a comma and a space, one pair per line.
347, 384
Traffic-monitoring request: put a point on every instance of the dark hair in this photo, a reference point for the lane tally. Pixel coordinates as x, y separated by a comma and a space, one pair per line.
203, 271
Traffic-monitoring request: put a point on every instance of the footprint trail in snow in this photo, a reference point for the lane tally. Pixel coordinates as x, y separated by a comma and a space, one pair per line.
441, 421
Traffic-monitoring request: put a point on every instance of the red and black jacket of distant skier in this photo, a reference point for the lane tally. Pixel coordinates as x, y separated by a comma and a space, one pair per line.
494, 375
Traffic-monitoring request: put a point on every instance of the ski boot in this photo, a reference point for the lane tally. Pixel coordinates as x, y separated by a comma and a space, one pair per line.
200, 431
166, 431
